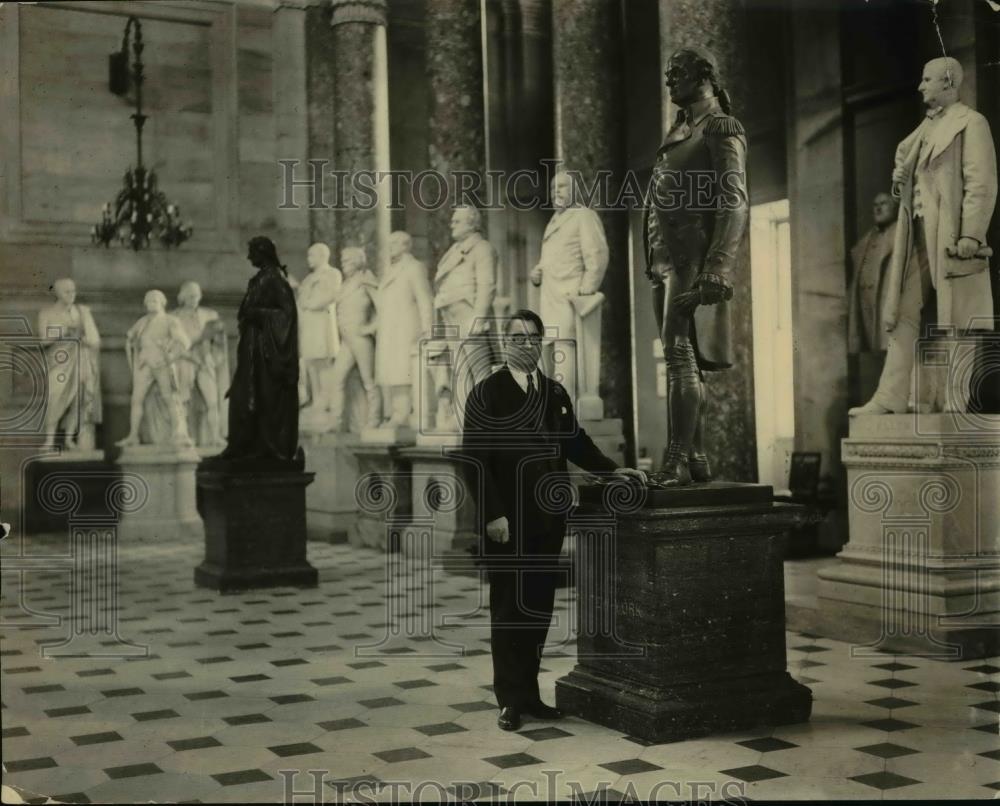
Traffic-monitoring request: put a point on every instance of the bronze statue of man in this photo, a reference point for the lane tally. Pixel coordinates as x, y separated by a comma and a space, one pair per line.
696, 214
263, 397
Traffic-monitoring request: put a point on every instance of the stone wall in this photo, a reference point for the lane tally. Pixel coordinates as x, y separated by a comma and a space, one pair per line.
225, 96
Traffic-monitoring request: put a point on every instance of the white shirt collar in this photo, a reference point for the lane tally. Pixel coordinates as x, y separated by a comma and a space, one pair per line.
522, 378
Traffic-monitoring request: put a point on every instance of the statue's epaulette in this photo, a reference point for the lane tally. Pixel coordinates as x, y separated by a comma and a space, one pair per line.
724, 126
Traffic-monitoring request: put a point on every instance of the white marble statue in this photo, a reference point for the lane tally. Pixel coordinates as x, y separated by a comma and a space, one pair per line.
356, 320
72, 356
154, 346
319, 339
572, 264
405, 310
464, 290
203, 372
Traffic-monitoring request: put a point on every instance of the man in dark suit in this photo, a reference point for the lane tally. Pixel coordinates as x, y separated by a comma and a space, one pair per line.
519, 432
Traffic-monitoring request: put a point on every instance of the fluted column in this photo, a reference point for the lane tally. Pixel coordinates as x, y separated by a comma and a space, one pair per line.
361, 120
457, 120
590, 115
729, 424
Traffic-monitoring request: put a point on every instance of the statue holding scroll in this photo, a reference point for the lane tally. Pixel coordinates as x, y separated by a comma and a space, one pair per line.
203, 372
154, 345
693, 231
945, 178
72, 358
570, 269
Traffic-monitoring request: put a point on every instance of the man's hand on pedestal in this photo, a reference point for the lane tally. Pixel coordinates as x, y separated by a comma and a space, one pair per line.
632, 473
497, 530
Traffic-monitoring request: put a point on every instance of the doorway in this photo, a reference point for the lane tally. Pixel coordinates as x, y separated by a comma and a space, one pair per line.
771, 287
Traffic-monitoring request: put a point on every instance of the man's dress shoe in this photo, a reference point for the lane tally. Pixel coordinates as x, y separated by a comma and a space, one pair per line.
540, 710
509, 719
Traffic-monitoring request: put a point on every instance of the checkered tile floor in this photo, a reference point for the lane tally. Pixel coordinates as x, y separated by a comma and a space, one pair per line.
236, 689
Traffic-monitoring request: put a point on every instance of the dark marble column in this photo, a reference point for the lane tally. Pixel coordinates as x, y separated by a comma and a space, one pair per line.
818, 224
590, 115
319, 88
360, 93
730, 429
457, 119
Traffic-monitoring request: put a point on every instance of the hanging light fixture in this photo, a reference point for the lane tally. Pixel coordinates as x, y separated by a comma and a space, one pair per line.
140, 212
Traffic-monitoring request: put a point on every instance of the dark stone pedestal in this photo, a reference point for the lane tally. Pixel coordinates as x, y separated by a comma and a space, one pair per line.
683, 632
255, 529
58, 489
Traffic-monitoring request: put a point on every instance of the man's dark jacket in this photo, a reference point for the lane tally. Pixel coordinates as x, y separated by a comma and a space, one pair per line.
517, 461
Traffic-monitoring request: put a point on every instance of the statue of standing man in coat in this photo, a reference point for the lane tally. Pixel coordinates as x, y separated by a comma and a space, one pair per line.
572, 264
405, 312
946, 181
464, 289
693, 233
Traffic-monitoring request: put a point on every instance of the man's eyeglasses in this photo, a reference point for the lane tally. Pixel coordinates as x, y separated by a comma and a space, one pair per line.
520, 339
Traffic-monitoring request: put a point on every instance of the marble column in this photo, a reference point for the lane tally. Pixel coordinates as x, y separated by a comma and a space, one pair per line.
816, 193
361, 120
291, 107
730, 430
589, 107
534, 133
457, 122
319, 110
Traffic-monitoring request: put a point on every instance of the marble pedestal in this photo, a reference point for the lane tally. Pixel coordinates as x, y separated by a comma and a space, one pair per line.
255, 529
682, 633
442, 502
382, 496
331, 509
169, 511
921, 571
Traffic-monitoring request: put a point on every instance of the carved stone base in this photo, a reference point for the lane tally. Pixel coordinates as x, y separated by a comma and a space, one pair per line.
920, 571
170, 511
442, 503
331, 508
383, 496
255, 529
389, 435
432, 439
684, 634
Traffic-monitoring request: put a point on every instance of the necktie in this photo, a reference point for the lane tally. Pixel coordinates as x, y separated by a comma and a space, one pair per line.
532, 391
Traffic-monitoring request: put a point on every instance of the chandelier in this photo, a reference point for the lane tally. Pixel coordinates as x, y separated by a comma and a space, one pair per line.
140, 212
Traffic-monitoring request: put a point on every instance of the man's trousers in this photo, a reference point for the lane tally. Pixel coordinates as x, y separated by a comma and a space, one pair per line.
521, 601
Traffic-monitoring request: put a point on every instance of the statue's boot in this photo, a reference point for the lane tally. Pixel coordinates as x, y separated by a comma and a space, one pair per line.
701, 471
684, 399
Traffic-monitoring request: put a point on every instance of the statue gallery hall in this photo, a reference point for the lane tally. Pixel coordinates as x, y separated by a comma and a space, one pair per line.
499, 401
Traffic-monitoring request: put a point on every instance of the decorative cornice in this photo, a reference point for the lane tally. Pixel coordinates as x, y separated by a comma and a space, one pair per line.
937, 453
370, 11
